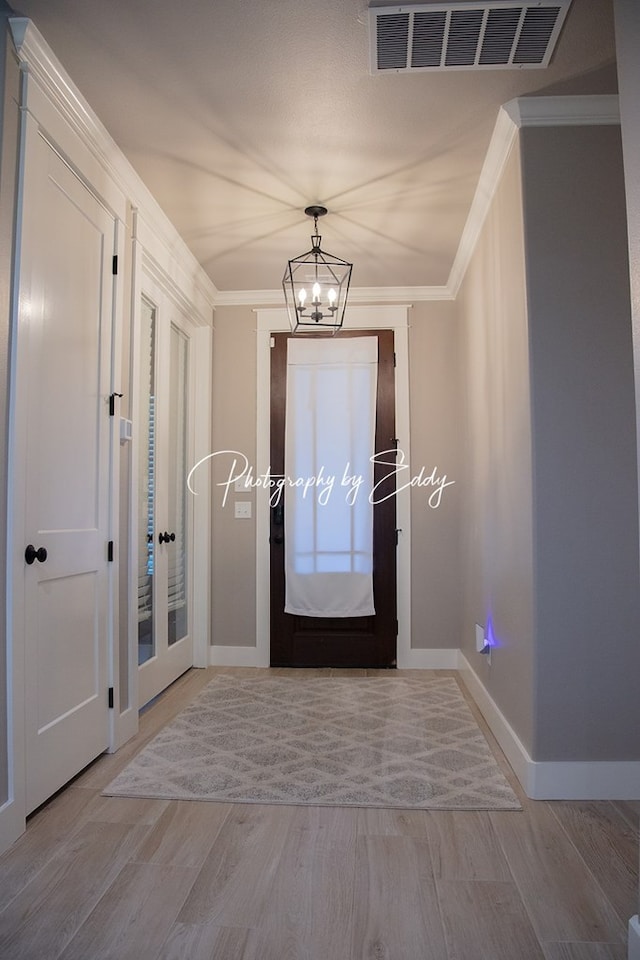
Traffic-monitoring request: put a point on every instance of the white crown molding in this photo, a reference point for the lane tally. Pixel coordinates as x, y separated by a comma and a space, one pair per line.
498, 152
39, 62
195, 313
598, 110
268, 298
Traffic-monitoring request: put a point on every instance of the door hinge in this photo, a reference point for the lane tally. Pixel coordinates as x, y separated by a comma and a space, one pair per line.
394, 358
114, 265
110, 551
110, 698
398, 532
396, 628
112, 403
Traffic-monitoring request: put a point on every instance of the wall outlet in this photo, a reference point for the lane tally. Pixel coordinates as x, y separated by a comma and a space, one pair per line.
482, 644
243, 510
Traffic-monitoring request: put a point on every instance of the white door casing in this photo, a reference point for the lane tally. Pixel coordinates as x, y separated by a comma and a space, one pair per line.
168, 660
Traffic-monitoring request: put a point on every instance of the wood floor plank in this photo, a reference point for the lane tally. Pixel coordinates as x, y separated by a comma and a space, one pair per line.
373, 822
396, 912
630, 810
608, 845
205, 941
308, 911
464, 846
234, 881
560, 894
133, 918
184, 833
46, 833
48, 911
134, 810
585, 951
486, 920
332, 824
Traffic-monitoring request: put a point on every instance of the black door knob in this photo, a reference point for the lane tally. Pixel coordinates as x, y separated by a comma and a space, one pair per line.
31, 554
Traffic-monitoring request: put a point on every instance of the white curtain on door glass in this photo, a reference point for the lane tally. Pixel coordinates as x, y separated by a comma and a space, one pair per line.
329, 445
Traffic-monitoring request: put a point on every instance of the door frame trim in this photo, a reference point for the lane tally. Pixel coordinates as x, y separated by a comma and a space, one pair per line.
153, 281
270, 321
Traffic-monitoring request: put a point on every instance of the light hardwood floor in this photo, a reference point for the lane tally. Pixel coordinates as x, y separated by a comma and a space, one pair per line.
106, 877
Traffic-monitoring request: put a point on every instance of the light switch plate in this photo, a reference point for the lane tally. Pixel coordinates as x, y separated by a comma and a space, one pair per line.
243, 509
126, 430
241, 485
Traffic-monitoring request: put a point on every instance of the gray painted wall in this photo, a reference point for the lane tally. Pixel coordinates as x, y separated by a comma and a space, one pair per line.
435, 410
437, 435
584, 453
233, 559
497, 524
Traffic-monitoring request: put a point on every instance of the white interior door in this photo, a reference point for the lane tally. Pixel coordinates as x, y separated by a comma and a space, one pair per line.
164, 446
64, 349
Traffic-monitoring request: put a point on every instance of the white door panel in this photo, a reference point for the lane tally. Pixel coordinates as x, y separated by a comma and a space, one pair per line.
165, 410
65, 358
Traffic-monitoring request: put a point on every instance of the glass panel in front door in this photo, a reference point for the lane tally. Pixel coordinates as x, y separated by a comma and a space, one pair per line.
146, 482
178, 626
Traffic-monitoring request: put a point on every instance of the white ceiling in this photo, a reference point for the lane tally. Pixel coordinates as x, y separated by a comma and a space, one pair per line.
239, 113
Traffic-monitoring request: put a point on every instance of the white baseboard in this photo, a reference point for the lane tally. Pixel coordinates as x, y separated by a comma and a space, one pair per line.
441, 659
511, 745
586, 780
553, 780
634, 939
411, 660
236, 657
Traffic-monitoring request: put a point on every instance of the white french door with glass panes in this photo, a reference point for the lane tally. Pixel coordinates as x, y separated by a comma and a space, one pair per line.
164, 443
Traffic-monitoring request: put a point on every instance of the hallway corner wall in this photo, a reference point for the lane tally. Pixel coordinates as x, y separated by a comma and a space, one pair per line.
587, 601
497, 535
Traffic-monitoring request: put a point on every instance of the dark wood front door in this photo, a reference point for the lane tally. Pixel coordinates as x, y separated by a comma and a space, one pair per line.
298, 641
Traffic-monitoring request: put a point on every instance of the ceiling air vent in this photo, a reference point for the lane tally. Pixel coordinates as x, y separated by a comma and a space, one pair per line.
465, 35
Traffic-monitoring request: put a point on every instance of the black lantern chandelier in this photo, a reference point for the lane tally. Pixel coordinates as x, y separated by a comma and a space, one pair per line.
316, 285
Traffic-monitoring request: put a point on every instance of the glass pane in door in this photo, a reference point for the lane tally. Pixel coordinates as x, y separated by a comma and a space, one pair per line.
177, 490
146, 482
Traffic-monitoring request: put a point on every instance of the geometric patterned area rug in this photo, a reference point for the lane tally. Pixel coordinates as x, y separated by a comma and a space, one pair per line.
363, 741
